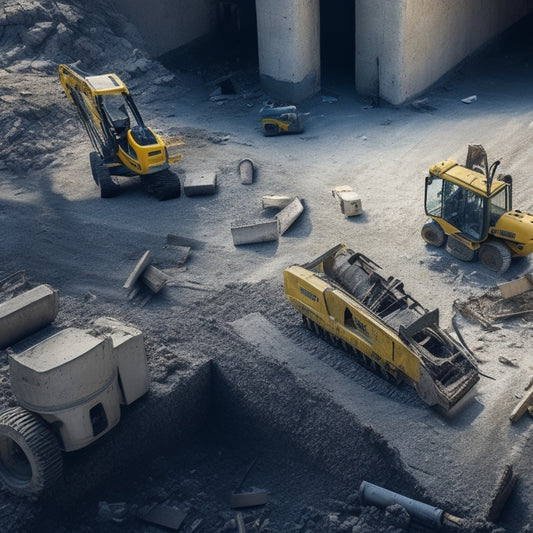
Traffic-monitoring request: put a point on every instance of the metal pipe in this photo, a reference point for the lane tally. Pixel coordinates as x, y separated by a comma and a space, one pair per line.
380, 497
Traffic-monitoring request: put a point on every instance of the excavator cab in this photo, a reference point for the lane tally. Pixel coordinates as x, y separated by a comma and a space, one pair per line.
471, 212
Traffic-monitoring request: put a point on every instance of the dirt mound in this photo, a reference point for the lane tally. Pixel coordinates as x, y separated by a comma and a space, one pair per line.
35, 37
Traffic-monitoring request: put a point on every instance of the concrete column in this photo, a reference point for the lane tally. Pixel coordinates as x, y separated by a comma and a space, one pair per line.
403, 46
288, 37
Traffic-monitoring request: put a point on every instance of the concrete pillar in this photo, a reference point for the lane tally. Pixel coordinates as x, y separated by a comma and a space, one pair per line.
288, 38
403, 46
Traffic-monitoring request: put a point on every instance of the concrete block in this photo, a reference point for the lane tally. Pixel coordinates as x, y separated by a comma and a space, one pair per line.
71, 379
288, 215
200, 184
252, 232
349, 200
274, 200
140, 267
246, 171
27, 313
130, 358
61, 369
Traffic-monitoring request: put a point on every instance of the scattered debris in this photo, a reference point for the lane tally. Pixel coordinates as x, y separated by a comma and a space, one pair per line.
200, 184
275, 200
246, 171
469, 99
505, 361
163, 515
522, 406
151, 277
141, 265
278, 120
241, 527
255, 231
517, 286
266, 230
422, 105
503, 491
27, 313
248, 499
509, 300
426, 514
287, 216
349, 200
115, 512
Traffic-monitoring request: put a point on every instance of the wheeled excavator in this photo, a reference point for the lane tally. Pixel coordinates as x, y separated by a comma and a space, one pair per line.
123, 144
471, 212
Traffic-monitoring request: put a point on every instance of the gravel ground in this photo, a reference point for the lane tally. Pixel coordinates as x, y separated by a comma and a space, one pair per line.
318, 431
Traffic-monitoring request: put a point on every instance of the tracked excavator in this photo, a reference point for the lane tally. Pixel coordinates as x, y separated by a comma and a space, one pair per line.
344, 299
123, 145
470, 210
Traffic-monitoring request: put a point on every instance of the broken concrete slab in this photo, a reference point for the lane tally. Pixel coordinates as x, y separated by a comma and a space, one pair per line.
27, 313
141, 265
288, 215
349, 200
276, 200
200, 184
239, 500
163, 515
154, 278
246, 171
254, 232
517, 286
179, 240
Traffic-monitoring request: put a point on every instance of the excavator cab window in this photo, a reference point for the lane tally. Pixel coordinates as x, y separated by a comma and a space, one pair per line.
118, 115
499, 204
460, 207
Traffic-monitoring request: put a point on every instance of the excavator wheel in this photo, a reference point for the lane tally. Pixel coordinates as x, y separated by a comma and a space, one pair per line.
164, 185
102, 177
459, 250
30, 457
495, 256
433, 234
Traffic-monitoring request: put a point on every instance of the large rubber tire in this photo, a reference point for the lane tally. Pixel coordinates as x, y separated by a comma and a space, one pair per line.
164, 185
433, 234
495, 256
459, 250
30, 457
102, 177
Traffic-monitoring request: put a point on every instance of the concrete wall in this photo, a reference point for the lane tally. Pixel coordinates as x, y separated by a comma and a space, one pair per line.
288, 35
417, 41
169, 24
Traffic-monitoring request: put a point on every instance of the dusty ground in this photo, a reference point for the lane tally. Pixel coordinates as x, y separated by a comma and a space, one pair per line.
58, 231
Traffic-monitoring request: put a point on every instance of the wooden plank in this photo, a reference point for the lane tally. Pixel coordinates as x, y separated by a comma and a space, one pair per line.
154, 279
143, 262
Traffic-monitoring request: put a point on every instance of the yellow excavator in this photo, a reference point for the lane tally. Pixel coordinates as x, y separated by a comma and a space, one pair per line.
123, 144
471, 212
344, 299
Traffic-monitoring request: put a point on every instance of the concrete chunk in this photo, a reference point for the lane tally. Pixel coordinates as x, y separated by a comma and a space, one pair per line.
252, 232
246, 171
140, 267
27, 313
288, 215
349, 200
200, 184
275, 200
